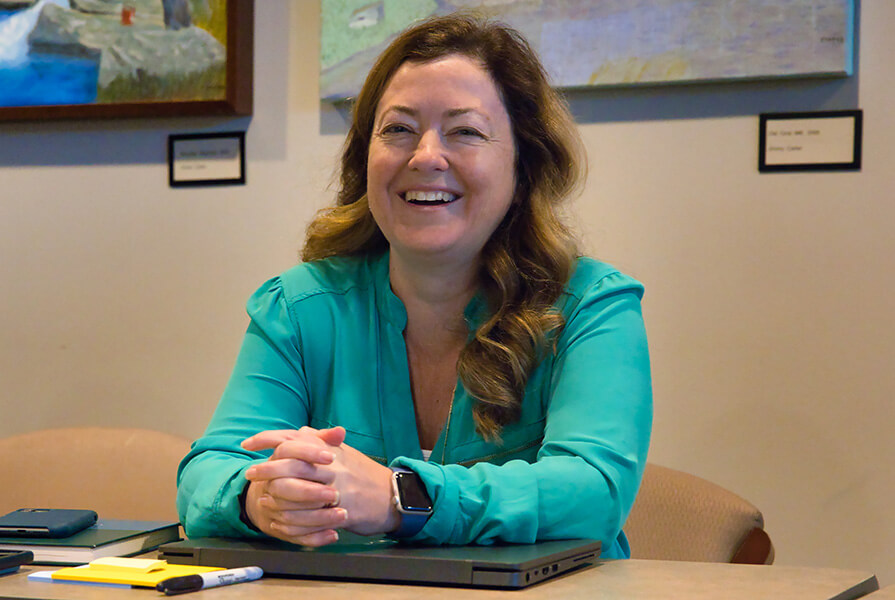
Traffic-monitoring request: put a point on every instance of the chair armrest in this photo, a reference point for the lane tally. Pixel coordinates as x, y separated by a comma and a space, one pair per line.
756, 549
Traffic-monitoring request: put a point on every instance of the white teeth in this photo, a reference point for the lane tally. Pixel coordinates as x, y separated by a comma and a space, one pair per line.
417, 196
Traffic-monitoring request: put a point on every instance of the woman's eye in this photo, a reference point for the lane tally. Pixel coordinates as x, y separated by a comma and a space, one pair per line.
395, 129
469, 131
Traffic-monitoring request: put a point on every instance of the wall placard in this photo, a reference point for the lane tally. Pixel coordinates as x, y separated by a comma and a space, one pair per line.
810, 141
201, 159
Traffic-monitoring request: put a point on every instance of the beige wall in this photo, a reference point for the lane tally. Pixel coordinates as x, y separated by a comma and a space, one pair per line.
767, 295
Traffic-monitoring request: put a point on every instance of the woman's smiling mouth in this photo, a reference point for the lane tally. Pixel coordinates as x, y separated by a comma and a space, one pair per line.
428, 198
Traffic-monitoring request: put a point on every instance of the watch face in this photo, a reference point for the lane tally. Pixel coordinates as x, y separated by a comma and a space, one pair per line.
412, 492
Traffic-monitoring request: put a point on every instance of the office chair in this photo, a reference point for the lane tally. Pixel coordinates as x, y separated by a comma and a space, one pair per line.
121, 473
678, 516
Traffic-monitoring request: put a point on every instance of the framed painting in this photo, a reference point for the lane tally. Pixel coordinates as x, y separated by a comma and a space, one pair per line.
64, 59
587, 44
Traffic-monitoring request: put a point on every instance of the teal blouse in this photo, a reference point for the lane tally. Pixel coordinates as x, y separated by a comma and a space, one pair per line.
325, 347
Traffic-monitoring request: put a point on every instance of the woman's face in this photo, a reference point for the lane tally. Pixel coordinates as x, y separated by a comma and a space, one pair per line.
440, 171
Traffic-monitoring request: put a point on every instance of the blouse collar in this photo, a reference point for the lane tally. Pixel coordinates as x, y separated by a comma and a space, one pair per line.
392, 308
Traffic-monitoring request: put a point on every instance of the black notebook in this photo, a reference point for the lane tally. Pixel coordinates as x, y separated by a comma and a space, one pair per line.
384, 560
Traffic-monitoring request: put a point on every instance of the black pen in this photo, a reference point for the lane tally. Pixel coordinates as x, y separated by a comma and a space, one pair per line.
194, 583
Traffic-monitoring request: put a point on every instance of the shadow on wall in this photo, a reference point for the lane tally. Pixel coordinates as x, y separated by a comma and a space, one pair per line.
712, 100
92, 142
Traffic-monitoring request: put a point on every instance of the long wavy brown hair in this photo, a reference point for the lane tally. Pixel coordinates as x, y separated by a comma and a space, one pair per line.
530, 256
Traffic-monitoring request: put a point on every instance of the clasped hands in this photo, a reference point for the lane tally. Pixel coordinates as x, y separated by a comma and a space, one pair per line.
313, 484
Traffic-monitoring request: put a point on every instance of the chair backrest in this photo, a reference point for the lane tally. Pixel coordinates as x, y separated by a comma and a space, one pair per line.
121, 473
679, 516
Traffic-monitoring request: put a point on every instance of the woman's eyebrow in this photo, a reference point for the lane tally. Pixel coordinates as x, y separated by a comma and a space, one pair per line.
456, 112
459, 112
449, 114
406, 110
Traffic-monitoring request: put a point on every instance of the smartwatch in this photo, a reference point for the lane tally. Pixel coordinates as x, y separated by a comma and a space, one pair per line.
412, 501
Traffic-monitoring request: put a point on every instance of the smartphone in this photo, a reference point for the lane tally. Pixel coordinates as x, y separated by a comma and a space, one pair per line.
45, 522
11, 560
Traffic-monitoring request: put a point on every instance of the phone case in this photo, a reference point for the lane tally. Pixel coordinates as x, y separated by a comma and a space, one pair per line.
45, 522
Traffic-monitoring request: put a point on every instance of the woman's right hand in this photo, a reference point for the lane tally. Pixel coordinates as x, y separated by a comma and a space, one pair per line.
293, 501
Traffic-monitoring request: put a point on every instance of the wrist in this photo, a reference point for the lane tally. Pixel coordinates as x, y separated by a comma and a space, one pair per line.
244, 504
393, 520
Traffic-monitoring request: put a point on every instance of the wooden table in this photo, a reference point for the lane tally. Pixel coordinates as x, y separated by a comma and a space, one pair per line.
609, 580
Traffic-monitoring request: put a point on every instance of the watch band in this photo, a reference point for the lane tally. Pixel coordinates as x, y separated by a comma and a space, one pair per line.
243, 513
412, 522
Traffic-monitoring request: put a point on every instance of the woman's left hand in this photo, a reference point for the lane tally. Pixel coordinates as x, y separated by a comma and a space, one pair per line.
364, 485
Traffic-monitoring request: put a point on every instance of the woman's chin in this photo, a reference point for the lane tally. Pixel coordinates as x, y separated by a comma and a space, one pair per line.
430, 249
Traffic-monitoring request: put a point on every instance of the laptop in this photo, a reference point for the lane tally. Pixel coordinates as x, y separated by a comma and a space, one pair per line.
384, 560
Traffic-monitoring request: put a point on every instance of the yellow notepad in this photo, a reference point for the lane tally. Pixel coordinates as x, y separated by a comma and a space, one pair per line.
129, 571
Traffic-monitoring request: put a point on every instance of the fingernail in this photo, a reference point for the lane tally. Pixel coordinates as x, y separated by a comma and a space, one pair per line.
326, 456
335, 500
343, 514
334, 536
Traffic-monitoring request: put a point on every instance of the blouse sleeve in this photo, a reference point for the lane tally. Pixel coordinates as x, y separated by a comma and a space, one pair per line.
267, 390
596, 437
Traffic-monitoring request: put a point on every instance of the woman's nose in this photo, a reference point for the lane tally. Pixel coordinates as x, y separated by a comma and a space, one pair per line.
430, 153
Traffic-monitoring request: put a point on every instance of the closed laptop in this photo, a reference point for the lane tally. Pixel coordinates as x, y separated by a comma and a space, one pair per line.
385, 560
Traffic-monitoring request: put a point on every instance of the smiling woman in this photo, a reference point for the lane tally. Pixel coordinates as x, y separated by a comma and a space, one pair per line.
443, 340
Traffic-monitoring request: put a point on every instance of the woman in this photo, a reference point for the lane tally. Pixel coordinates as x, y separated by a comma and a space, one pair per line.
442, 367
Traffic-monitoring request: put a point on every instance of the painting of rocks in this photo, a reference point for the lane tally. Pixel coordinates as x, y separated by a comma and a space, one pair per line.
76, 52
